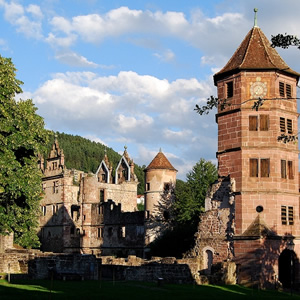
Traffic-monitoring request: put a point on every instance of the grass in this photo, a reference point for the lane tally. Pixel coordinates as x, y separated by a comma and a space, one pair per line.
85, 290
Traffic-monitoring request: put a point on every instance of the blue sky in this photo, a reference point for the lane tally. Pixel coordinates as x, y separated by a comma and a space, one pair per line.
131, 72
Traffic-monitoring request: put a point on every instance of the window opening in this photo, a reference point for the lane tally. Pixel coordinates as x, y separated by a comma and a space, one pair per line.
288, 88
282, 124
290, 169
253, 123
289, 124
283, 168
229, 88
291, 215
264, 122
253, 167
101, 195
265, 167
281, 89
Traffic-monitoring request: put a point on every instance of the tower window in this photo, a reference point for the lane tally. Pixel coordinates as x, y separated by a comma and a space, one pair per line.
285, 90
264, 167
253, 167
253, 123
290, 170
264, 122
281, 89
289, 124
286, 125
288, 89
147, 186
287, 215
283, 168
282, 124
229, 89
283, 215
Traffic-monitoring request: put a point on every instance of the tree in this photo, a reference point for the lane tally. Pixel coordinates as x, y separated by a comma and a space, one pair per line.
183, 211
285, 41
22, 139
190, 196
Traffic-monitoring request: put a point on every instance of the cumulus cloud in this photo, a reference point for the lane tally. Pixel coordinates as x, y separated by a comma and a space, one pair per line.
27, 20
128, 107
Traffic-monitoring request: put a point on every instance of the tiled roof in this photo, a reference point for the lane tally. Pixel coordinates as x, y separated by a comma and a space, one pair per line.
255, 53
160, 162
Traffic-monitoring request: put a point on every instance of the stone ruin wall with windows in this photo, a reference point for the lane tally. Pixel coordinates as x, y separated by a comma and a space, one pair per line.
83, 213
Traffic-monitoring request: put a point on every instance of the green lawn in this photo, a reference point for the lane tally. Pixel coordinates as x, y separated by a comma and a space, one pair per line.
84, 290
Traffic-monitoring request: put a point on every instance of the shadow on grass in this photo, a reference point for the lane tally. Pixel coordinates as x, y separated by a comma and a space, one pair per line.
40, 289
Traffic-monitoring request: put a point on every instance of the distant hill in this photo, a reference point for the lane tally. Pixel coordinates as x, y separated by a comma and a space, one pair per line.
86, 155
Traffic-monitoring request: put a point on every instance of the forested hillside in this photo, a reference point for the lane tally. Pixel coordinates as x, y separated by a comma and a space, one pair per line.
85, 155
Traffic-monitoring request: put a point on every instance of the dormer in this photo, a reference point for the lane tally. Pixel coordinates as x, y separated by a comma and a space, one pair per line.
122, 171
56, 159
103, 173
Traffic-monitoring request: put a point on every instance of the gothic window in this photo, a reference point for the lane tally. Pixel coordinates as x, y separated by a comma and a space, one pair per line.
229, 89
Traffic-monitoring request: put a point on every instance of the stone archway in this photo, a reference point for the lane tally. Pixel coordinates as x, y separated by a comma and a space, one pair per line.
286, 264
208, 259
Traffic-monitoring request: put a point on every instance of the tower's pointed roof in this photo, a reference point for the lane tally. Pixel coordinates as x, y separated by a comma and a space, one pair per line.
160, 162
255, 53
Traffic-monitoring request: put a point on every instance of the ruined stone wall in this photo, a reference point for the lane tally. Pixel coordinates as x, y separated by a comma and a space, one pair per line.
124, 193
40, 265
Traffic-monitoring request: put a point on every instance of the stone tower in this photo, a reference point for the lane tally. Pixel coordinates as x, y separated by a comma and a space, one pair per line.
159, 175
260, 92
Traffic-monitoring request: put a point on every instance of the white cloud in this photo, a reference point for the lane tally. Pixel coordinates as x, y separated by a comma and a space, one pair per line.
15, 14
166, 56
130, 109
35, 10
96, 139
74, 59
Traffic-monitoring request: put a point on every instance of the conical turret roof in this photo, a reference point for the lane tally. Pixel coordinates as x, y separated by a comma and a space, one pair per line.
255, 53
160, 162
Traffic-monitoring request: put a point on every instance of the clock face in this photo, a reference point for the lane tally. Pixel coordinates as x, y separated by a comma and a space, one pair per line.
258, 89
